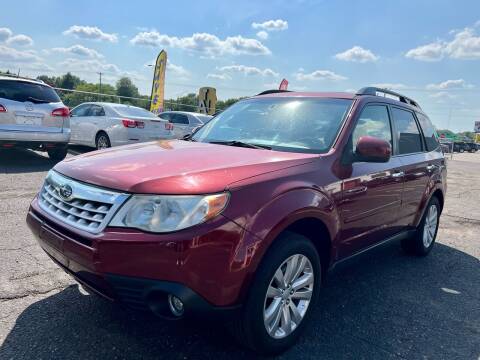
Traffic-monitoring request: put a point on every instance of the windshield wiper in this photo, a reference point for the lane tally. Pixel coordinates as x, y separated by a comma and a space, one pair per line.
37, 101
241, 144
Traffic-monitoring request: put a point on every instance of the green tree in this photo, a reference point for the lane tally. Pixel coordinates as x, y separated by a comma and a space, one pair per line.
125, 87
69, 81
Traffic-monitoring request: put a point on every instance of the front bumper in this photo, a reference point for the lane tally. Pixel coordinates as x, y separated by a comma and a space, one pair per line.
199, 266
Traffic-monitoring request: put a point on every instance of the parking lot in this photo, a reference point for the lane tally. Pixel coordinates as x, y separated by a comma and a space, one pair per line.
384, 306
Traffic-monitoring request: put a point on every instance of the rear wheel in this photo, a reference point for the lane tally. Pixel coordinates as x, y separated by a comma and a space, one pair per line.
58, 154
282, 296
102, 141
423, 240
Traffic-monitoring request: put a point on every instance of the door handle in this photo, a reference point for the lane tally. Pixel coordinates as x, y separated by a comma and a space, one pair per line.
398, 174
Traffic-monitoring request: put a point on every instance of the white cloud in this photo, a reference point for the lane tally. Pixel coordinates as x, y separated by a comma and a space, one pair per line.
248, 70
204, 43
177, 70
390, 86
357, 54
262, 35
271, 25
464, 45
20, 40
430, 52
79, 50
5, 33
450, 84
219, 76
90, 65
442, 95
11, 54
91, 33
319, 75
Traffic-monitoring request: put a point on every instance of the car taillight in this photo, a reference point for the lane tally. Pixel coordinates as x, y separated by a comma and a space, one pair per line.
168, 126
63, 112
133, 123
3, 109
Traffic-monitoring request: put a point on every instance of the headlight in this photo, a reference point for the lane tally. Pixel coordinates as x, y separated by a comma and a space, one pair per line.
166, 213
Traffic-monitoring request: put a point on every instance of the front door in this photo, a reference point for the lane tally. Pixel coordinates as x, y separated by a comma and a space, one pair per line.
372, 194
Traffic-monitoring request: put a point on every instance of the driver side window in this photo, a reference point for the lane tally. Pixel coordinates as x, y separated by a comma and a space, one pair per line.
373, 121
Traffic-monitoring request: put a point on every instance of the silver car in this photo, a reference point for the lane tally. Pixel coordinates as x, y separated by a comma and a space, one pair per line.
102, 125
33, 116
184, 122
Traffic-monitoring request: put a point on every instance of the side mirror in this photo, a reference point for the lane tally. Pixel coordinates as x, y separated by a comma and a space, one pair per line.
373, 149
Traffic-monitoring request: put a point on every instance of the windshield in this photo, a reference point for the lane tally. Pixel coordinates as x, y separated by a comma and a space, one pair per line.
25, 91
133, 111
284, 124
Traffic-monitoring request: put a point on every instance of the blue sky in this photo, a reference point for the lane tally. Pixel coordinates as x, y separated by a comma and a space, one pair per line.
429, 50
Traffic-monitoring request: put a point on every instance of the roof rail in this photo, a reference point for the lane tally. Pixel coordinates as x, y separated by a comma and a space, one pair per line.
266, 92
373, 91
15, 76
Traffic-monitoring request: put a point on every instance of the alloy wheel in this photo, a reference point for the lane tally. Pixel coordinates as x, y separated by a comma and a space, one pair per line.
430, 226
102, 143
288, 296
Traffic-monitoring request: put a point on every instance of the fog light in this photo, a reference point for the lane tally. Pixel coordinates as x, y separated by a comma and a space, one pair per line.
176, 305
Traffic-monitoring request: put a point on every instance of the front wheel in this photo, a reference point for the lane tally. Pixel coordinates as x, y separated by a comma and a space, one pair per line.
424, 238
282, 296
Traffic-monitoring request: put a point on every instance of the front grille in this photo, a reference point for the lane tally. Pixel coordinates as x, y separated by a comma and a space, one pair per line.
86, 207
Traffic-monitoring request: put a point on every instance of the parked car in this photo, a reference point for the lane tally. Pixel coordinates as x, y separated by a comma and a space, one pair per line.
102, 125
184, 122
247, 218
472, 147
32, 116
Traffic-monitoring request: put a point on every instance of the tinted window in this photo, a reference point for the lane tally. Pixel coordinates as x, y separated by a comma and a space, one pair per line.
179, 119
165, 116
81, 110
408, 135
374, 121
195, 121
429, 132
133, 111
25, 91
204, 118
285, 124
97, 111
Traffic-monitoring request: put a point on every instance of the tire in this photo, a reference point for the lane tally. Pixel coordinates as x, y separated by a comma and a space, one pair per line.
58, 154
102, 141
421, 243
250, 328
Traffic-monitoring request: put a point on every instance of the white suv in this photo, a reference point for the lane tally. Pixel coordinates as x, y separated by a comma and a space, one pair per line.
33, 116
102, 125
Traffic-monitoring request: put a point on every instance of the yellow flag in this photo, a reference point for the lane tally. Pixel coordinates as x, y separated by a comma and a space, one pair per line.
158, 85
207, 100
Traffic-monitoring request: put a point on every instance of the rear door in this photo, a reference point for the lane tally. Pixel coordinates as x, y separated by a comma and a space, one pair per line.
371, 196
415, 161
94, 121
30, 107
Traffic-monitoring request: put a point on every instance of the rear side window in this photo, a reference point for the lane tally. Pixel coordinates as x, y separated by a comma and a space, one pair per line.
179, 119
429, 132
97, 111
408, 135
374, 121
81, 110
24, 91
165, 116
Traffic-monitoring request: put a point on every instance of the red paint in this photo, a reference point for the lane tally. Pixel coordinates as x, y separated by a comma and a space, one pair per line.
358, 203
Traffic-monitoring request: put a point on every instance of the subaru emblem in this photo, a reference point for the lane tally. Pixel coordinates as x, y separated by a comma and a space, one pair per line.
65, 191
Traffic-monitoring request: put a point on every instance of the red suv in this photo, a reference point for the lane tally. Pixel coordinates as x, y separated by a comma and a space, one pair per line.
247, 215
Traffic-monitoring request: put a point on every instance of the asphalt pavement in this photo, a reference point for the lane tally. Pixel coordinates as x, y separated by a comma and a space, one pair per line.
383, 305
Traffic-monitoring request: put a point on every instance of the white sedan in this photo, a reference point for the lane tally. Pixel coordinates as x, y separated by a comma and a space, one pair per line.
102, 125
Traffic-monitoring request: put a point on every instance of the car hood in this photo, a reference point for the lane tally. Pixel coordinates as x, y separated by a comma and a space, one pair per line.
175, 167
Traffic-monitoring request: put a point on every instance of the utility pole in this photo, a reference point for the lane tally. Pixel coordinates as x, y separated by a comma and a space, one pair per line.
100, 85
